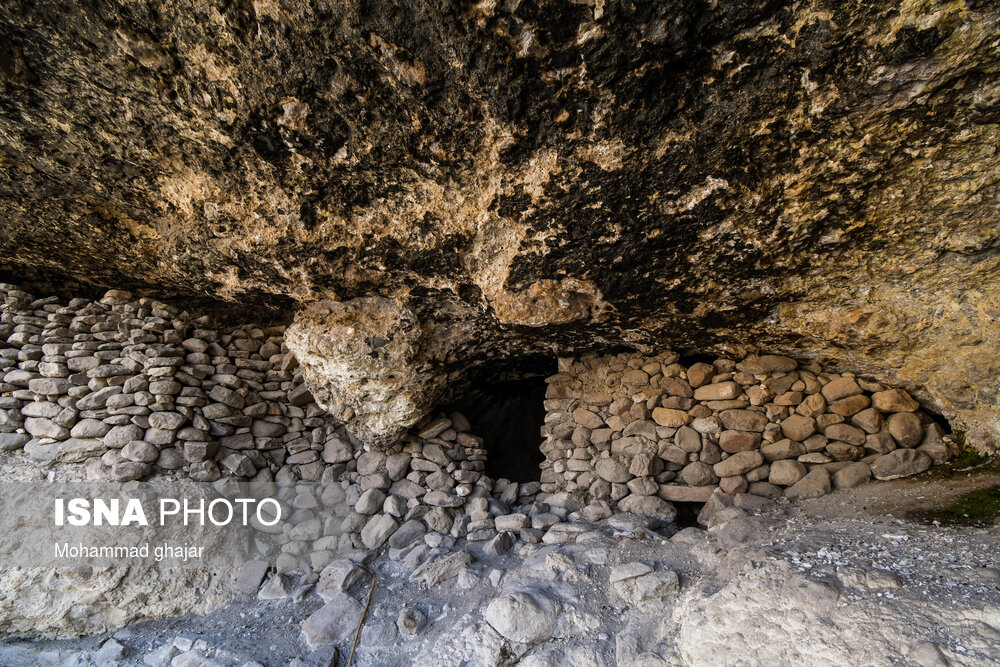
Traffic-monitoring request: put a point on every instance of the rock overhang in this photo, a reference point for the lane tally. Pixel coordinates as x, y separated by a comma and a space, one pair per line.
817, 181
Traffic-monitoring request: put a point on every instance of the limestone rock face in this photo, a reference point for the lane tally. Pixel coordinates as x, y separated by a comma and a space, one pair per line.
372, 363
816, 179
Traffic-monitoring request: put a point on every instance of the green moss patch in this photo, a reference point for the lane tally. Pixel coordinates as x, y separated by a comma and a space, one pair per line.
978, 507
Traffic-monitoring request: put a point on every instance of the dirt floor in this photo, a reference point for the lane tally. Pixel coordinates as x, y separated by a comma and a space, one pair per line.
868, 576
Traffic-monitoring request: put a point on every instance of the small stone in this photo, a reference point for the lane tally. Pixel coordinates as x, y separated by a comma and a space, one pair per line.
526, 616
407, 534
677, 493
170, 459
277, 587
110, 652
41, 427
194, 345
227, 396
744, 420
719, 391
738, 464
934, 445
443, 568
870, 420
511, 522
880, 443
339, 577
905, 428
734, 485
707, 426
894, 400
651, 506
250, 575
846, 433
410, 621
128, 471
789, 398
500, 544
739, 441
377, 530
395, 506
90, 428
13, 441
333, 623
645, 464
677, 387
137, 450
370, 501
671, 418
199, 451
815, 484
612, 471
851, 405
852, 475
337, 451
688, 439
840, 388
900, 463
397, 465
700, 374
812, 406
767, 363
119, 436
239, 465
798, 427
49, 386
842, 451
73, 450
588, 419
783, 449
266, 429
165, 388
786, 472
764, 490
435, 428
698, 474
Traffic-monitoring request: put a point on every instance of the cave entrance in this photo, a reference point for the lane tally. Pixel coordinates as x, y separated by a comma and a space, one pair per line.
508, 414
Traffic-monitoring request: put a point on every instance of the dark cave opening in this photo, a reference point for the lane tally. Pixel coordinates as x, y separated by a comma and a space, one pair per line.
508, 415
938, 419
691, 358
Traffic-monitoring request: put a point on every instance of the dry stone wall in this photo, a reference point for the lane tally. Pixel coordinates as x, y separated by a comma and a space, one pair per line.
131, 386
125, 388
641, 432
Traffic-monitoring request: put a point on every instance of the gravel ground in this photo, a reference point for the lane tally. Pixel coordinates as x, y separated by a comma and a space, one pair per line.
850, 577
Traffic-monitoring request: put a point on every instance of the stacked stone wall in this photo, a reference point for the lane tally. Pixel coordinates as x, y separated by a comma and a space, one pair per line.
643, 431
124, 388
131, 386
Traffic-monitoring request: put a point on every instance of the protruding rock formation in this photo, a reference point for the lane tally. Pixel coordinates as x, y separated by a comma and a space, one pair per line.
373, 363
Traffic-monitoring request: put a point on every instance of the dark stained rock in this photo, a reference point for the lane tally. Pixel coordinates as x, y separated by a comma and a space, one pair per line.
539, 178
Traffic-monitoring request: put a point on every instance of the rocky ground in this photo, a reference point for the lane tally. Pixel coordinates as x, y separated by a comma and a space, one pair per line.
847, 578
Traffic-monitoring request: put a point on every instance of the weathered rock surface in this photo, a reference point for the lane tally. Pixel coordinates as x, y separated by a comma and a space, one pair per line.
813, 178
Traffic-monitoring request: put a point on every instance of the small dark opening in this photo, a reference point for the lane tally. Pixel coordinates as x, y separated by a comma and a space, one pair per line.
687, 515
939, 419
508, 415
691, 358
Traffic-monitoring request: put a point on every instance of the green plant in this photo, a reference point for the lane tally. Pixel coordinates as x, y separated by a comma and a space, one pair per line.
978, 505
967, 456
